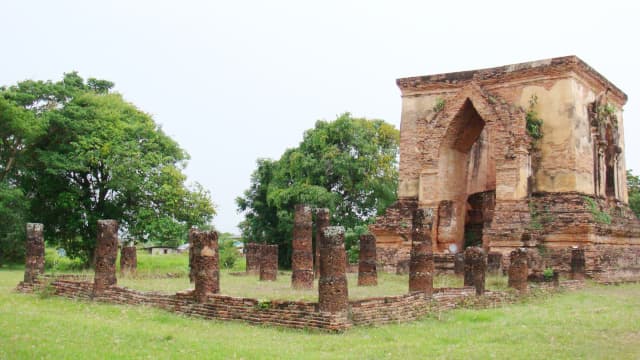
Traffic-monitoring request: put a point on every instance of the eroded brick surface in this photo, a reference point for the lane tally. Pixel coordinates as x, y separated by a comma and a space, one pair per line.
204, 263
367, 270
421, 267
268, 262
475, 268
333, 294
302, 249
128, 260
34, 248
252, 257
105, 255
518, 270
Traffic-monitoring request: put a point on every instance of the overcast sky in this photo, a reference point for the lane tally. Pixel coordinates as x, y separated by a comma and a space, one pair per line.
240, 80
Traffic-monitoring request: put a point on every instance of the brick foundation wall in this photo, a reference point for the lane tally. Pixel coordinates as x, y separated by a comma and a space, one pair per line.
292, 314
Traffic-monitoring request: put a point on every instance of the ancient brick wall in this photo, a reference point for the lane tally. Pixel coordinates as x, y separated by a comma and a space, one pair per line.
421, 268
293, 314
252, 257
518, 270
367, 270
322, 222
333, 293
204, 263
302, 249
105, 255
128, 260
34, 248
268, 262
475, 268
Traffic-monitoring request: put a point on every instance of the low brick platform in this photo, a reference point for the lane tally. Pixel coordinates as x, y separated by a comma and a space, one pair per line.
291, 314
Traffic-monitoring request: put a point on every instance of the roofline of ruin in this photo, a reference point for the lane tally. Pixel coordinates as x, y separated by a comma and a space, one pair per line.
532, 69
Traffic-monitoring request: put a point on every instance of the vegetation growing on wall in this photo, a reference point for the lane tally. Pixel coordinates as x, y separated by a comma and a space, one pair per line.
534, 122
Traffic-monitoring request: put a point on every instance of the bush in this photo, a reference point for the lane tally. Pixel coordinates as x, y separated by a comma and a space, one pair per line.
228, 253
54, 262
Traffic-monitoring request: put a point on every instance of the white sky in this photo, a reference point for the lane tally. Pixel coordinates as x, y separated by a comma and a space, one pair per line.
238, 80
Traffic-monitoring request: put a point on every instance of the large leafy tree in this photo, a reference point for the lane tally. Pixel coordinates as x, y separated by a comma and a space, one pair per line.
347, 165
96, 157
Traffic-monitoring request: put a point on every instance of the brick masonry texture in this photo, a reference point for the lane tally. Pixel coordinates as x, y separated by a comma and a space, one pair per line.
367, 270
333, 293
128, 260
322, 222
106, 255
34, 248
519, 270
465, 153
291, 314
475, 268
204, 263
302, 249
268, 262
421, 268
253, 258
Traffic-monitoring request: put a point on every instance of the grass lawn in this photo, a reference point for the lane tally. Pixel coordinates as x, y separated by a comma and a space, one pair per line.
598, 322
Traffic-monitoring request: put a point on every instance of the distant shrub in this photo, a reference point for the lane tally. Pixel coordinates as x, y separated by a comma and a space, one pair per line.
54, 262
228, 253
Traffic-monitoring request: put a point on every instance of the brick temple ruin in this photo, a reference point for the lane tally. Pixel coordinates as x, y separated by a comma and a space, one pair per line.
471, 153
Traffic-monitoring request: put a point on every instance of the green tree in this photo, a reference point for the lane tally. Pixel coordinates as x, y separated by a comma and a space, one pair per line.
633, 187
347, 165
96, 157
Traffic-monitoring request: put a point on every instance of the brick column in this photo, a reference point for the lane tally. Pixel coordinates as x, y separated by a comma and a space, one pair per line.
421, 262
34, 264
128, 260
494, 263
268, 262
302, 249
519, 270
204, 263
322, 222
577, 264
367, 272
252, 257
475, 267
105, 256
458, 263
333, 293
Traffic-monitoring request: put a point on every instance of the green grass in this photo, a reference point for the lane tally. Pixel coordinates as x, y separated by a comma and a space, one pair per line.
598, 322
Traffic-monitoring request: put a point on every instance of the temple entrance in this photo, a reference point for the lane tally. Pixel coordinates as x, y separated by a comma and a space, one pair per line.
467, 181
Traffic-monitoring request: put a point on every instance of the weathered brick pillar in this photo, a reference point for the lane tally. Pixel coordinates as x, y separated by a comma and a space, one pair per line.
204, 263
302, 249
105, 256
34, 264
128, 260
475, 267
577, 264
333, 293
252, 257
458, 263
494, 263
367, 272
268, 262
421, 262
322, 222
518, 270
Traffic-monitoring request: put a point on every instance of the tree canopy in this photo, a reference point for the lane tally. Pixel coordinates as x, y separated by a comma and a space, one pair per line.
347, 165
77, 152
